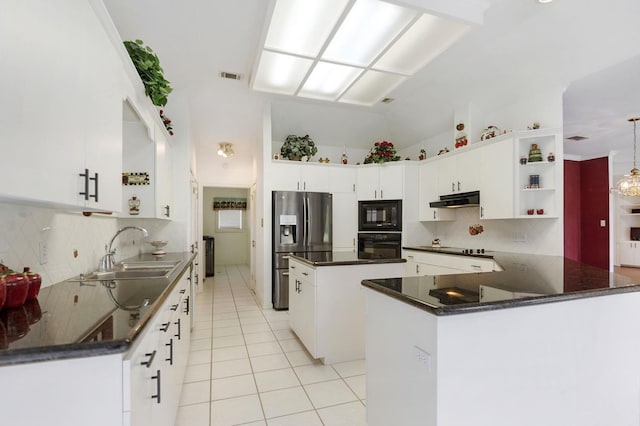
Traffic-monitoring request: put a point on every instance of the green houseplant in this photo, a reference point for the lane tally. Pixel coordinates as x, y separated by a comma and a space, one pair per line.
381, 152
298, 148
148, 66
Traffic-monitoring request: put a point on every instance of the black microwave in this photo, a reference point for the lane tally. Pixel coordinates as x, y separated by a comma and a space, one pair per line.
381, 215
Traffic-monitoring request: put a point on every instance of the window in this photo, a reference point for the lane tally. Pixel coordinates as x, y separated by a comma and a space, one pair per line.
230, 219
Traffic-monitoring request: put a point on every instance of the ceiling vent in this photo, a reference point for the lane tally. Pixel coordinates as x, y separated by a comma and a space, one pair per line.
229, 75
577, 138
387, 100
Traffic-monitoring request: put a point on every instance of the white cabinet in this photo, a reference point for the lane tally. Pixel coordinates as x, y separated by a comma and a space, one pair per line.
326, 307
302, 304
154, 367
496, 180
345, 221
62, 132
629, 253
457, 172
381, 181
428, 191
342, 179
163, 187
297, 176
544, 199
143, 154
421, 262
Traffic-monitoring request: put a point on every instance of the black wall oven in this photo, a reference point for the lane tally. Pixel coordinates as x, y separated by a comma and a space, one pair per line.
379, 245
381, 215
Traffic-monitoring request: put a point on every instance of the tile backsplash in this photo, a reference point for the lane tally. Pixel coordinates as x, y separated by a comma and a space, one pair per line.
74, 243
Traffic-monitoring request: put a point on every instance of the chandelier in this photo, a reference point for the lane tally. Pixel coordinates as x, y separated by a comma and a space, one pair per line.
629, 185
225, 149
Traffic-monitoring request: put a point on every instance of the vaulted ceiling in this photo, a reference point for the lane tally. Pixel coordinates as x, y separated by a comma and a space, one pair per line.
587, 47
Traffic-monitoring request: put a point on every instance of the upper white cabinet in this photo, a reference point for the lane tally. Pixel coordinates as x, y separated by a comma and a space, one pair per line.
342, 179
428, 191
381, 182
457, 172
496, 180
60, 113
148, 155
297, 176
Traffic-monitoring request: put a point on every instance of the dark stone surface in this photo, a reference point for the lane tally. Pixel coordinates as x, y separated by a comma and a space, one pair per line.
526, 280
328, 258
73, 319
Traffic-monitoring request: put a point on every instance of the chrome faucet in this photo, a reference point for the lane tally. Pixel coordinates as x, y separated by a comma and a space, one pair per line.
108, 260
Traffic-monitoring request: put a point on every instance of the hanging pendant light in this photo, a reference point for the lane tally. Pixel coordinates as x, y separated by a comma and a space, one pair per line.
629, 185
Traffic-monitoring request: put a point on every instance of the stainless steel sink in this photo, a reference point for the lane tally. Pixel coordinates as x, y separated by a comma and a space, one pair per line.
136, 270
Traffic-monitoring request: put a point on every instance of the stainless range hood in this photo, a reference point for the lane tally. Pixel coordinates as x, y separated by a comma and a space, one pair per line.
452, 201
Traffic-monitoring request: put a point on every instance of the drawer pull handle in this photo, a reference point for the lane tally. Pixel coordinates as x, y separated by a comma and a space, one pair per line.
157, 395
174, 307
148, 362
165, 326
305, 274
179, 330
170, 344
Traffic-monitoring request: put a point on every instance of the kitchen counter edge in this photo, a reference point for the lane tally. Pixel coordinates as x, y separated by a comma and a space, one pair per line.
346, 262
91, 349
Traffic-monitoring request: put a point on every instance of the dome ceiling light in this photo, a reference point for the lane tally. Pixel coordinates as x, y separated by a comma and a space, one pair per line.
225, 149
353, 51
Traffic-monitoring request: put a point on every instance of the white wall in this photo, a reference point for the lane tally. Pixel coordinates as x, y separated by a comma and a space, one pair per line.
231, 246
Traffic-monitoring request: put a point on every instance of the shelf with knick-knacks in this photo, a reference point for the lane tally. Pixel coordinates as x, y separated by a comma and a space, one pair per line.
538, 172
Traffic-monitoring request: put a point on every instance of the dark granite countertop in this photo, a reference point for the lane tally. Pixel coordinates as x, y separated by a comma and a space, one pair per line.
73, 319
527, 279
338, 258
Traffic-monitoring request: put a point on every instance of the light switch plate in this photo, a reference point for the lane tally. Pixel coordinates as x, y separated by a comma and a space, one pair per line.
603, 223
423, 357
43, 252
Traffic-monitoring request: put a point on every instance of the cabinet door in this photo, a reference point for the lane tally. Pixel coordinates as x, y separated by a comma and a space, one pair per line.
342, 179
467, 171
627, 253
368, 182
302, 305
428, 192
345, 221
41, 117
284, 175
164, 189
391, 179
447, 172
314, 178
496, 181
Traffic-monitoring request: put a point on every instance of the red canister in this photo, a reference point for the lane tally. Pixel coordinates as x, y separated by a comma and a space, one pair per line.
3, 291
35, 280
17, 289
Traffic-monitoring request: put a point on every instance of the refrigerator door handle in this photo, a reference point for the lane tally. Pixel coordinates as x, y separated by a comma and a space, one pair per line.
305, 215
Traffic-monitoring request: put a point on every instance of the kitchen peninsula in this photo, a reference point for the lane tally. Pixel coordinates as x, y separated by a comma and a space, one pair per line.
546, 341
326, 301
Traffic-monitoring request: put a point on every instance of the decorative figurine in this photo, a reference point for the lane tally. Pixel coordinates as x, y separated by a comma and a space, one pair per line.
134, 206
423, 155
489, 132
461, 137
344, 158
535, 125
551, 158
534, 153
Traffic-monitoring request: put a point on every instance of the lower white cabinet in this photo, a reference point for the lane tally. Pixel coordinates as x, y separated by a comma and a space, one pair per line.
154, 368
326, 307
138, 388
629, 253
429, 263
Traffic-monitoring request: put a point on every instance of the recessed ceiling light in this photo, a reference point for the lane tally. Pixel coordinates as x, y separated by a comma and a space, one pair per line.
230, 75
577, 138
544, 1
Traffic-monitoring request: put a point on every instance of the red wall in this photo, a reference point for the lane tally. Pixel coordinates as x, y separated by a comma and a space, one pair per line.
572, 210
586, 202
594, 179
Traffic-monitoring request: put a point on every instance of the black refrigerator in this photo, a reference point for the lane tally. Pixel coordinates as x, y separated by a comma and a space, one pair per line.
302, 223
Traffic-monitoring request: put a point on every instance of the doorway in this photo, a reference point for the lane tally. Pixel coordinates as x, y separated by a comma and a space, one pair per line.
226, 218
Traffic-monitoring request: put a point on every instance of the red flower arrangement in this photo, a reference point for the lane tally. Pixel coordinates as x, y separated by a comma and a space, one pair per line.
166, 122
381, 153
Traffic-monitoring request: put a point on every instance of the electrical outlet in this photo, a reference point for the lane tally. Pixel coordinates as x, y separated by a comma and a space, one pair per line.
519, 237
43, 252
423, 357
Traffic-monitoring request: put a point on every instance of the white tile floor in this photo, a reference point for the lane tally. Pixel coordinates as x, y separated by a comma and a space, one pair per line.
246, 366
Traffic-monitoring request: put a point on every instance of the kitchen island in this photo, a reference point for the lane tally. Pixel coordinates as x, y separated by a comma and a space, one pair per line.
326, 301
545, 341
